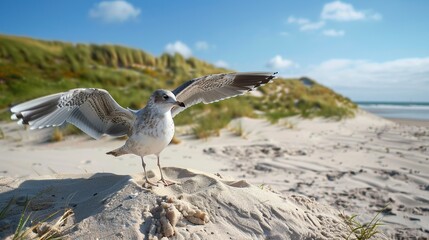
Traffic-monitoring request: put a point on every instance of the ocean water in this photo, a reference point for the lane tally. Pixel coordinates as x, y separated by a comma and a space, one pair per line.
403, 110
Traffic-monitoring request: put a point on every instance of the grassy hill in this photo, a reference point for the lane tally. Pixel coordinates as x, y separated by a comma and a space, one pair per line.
31, 68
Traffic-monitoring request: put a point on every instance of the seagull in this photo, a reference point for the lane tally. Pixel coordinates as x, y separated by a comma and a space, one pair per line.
150, 129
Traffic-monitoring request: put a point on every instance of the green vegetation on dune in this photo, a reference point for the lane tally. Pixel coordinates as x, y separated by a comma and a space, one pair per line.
32, 68
302, 97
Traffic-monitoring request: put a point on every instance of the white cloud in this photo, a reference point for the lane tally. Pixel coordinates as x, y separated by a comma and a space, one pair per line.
114, 11
178, 47
278, 62
375, 16
299, 21
221, 64
402, 79
312, 26
305, 24
340, 11
336, 11
334, 33
202, 45
363, 72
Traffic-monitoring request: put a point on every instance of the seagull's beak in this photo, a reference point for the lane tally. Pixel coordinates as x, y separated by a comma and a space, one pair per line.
181, 104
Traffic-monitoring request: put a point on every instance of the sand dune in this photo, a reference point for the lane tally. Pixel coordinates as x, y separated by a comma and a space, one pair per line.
200, 206
320, 167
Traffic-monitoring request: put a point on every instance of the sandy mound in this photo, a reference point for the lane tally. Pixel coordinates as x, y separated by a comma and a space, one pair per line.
200, 206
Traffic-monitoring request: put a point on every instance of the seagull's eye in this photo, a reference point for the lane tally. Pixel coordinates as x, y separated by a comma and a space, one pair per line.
165, 97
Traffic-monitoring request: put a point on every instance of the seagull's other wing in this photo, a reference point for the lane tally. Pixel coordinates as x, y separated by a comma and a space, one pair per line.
93, 111
216, 87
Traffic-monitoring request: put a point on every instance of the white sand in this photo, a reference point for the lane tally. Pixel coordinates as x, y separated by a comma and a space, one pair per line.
356, 166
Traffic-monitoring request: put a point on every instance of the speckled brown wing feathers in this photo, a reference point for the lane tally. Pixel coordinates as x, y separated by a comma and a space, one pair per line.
94, 111
216, 87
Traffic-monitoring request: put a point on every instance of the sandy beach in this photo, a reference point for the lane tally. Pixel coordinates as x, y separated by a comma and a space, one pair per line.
291, 180
410, 122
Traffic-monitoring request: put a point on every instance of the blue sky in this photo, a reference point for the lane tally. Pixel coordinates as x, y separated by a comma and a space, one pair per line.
366, 49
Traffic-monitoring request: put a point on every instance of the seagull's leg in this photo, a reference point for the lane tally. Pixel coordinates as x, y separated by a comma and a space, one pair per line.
145, 174
166, 182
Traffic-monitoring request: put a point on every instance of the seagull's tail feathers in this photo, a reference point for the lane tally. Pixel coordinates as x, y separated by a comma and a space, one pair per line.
118, 152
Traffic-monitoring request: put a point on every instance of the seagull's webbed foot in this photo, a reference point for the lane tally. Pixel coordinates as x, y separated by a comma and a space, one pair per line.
151, 184
166, 182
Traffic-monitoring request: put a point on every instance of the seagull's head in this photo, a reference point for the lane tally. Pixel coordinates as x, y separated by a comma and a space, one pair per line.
165, 100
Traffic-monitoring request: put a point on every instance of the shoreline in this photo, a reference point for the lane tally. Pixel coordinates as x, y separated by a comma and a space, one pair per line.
410, 122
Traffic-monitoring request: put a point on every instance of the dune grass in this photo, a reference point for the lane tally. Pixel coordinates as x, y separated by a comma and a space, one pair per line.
21, 232
57, 135
1, 133
216, 117
363, 231
29, 228
32, 68
60, 133
292, 97
238, 130
5, 210
37, 228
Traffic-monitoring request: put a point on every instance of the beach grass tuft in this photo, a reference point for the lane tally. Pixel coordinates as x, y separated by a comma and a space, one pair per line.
1, 133
21, 232
29, 228
238, 130
57, 135
363, 231
5, 210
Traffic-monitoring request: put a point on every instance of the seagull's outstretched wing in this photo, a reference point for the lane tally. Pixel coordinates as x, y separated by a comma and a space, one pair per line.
216, 87
94, 111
